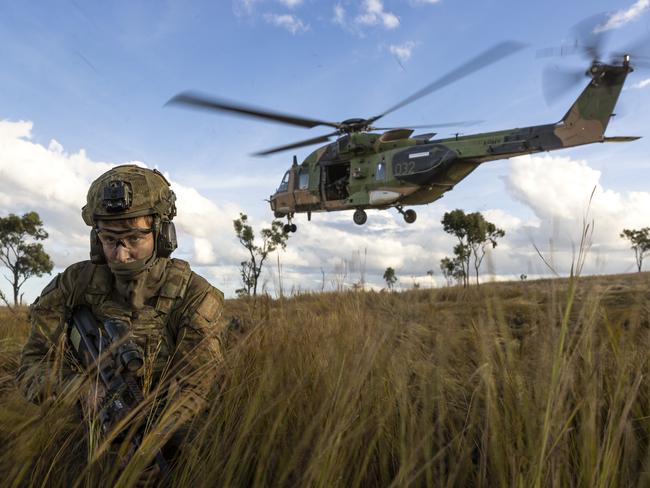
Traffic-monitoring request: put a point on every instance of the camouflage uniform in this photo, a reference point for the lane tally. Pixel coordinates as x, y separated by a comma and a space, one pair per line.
177, 329
176, 323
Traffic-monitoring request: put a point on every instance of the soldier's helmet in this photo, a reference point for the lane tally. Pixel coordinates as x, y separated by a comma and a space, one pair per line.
126, 192
129, 191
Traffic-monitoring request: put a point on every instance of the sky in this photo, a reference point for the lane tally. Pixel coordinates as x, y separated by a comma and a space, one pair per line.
84, 86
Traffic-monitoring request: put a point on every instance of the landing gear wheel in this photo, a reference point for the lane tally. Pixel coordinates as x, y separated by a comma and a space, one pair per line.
360, 216
289, 228
410, 216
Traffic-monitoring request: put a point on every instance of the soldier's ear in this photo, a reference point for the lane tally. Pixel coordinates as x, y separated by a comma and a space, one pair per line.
96, 249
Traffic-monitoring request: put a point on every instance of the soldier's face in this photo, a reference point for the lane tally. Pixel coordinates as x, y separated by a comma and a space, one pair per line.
125, 241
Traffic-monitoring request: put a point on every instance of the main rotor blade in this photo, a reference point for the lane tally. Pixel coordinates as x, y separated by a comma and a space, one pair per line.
462, 123
307, 142
486, 58
559, 51
198, 100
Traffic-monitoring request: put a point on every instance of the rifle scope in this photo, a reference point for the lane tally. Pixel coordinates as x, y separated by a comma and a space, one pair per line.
127, 352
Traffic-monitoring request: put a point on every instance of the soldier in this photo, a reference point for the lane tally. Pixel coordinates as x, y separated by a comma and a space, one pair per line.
174, 315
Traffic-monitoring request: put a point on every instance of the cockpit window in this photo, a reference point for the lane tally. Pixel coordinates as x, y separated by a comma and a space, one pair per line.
303, 179
284, 186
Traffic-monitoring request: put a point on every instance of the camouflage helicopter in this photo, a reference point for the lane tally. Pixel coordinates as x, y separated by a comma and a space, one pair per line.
363, 169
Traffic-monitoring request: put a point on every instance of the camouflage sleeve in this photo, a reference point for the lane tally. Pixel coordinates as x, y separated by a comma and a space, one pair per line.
44, 364
198, 346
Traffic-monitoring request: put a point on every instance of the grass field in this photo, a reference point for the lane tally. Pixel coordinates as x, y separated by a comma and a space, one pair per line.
529, 384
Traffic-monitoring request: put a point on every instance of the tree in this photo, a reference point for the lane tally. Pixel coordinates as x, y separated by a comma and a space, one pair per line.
272, 238
640, 240
430, 274
19, 254
390, 277
475, 235
453, 269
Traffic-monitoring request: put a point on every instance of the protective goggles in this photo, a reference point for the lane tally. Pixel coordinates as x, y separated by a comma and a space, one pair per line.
129, 238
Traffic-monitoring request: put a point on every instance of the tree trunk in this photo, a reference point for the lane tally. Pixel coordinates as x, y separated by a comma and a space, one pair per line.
16, 287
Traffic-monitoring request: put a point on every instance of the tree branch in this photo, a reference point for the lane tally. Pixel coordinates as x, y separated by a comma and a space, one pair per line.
4, 299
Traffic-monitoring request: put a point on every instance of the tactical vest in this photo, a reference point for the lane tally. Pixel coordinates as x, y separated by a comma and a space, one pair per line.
152, 327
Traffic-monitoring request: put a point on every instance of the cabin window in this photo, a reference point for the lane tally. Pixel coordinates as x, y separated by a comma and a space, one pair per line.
380, 172
303, 179
284, 186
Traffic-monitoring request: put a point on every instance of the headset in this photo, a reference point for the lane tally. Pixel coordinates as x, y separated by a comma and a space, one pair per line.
165, 241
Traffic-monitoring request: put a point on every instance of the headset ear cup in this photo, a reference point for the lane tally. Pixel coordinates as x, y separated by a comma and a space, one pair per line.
166, 240
96, 249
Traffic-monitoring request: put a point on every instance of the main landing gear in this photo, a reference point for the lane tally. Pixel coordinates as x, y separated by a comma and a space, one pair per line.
289, 227
409, 215
360, 215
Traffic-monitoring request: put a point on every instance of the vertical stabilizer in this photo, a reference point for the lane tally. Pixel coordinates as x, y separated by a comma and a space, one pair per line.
587, 119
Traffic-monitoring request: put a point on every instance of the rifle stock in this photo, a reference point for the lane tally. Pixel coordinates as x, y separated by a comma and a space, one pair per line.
115, 359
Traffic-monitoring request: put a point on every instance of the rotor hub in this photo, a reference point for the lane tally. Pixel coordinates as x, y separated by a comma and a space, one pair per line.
354, 125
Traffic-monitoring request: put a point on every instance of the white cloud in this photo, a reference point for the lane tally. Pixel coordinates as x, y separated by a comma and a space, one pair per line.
291, 3
245, 7
557, 189
339, 14
623, 17
52, 182
373, 13
287, 21
641, 84
424, 2
402, 51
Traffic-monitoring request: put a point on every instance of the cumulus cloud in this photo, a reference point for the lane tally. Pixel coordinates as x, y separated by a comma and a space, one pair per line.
331, 250
373, 13
339, 14
623, 17
287, 21
291, 3
53, 182
641, 84
402, 51
558, 190
245, 7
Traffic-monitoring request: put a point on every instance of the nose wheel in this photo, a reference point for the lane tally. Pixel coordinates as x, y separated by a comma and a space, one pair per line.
289, 227
409, 215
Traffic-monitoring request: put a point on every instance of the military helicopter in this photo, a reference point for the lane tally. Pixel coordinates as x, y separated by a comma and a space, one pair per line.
363, 169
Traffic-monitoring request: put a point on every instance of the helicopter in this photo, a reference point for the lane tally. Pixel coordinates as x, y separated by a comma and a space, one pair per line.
363, 169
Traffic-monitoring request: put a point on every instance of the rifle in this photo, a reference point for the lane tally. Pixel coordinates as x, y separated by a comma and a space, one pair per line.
117, 359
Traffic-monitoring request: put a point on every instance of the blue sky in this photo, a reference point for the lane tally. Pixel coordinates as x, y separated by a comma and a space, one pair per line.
94, 77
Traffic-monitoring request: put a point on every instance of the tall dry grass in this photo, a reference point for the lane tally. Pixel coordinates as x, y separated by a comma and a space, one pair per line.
511, 384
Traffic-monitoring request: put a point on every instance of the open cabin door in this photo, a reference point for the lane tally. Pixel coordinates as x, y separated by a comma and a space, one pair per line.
334, 181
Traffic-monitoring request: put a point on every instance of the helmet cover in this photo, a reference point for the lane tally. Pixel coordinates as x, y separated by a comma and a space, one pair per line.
129, 191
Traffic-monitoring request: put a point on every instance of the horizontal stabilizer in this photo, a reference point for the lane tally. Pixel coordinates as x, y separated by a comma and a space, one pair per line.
621, 139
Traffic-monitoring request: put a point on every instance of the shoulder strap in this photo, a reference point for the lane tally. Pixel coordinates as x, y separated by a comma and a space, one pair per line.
175, 286
80, 285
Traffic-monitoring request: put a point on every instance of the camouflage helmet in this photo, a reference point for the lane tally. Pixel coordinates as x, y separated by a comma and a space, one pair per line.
129, 191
